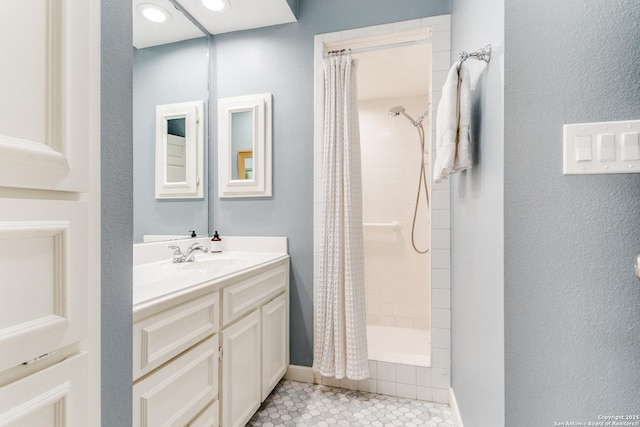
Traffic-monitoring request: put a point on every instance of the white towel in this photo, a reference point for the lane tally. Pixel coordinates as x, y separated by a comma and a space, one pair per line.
452, 124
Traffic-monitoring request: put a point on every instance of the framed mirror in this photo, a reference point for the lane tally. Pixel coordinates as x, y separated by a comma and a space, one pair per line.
244, 146
179, 150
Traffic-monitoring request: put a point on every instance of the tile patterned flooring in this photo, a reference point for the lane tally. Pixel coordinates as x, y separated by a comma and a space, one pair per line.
299, 404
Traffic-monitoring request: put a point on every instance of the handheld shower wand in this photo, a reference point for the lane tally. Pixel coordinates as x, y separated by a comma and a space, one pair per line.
422, 180
399, 109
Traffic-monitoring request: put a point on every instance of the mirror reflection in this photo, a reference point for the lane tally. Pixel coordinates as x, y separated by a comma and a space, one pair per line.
176, 144
242, 145
170, 66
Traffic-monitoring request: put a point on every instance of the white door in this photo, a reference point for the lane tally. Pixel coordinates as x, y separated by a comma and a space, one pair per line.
50, 197
241, 371
275, 343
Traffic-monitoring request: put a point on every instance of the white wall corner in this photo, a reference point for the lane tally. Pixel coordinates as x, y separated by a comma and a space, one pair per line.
455, 410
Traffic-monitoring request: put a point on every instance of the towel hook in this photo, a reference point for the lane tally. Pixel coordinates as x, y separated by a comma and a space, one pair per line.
483, 54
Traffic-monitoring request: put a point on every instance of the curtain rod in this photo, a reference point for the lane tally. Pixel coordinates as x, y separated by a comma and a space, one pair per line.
378, 47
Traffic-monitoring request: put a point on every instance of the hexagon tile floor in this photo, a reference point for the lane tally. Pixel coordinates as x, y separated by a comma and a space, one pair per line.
305, 405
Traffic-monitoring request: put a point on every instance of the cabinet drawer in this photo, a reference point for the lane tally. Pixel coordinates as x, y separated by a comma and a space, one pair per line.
178, 391
165, 335
210, 417
243, 297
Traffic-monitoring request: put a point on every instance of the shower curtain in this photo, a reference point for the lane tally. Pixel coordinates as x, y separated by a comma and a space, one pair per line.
340, 334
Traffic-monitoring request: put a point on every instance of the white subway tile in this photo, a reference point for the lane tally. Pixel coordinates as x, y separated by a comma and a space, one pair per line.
441, 60
423, 376
443, 184
386, 371
441, 395
440, 199
331, 37
356, 33
440, 239
368, 385
413, 24
408, 391
441, 220
386, 387
441, 318
424, 393
441, 278
441, 27
440, 358
437, 19
441, 40
330, 381
373, 371
441, 338
441, 298
349, 384
379, 29
441, 378
406, 374
441, 259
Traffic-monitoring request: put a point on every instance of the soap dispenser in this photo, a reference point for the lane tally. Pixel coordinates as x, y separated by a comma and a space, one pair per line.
216, 243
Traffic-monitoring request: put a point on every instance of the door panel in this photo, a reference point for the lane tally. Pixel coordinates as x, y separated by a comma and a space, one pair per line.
45, 112
54, 397
43, 259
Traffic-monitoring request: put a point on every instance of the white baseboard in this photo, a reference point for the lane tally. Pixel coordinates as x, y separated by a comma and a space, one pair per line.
301, 373
455, 410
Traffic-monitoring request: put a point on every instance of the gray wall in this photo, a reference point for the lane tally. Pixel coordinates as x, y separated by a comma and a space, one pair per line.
279, 60
477, 257
167, 74
117, 212
572, 303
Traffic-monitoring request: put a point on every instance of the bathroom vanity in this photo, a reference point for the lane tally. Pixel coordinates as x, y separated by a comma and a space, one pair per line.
210, 337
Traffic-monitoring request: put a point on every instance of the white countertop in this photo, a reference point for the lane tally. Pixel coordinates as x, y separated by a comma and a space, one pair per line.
158, 281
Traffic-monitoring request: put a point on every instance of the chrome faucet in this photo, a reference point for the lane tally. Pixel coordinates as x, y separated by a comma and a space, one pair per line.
188, 256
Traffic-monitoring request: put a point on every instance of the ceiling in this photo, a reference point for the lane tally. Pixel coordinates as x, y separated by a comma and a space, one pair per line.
394, 73
241, 15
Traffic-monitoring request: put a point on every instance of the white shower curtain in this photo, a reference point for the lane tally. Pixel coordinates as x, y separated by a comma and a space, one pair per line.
340, 334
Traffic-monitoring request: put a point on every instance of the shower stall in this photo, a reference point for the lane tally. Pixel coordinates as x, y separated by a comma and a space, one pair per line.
396, 221
407, 289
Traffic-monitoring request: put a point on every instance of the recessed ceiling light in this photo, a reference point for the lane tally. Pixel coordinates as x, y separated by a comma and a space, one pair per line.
152, 12
216, 5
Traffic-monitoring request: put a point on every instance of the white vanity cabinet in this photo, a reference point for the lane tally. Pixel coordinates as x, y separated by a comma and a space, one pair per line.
209, 356
255, 342
175, 365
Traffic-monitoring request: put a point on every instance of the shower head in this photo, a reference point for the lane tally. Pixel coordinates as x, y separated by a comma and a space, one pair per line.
395, 111
399, 109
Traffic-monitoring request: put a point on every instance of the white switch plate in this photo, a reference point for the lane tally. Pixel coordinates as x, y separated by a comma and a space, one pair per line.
602, 160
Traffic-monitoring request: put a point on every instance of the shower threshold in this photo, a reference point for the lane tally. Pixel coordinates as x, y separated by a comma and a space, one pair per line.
399, 345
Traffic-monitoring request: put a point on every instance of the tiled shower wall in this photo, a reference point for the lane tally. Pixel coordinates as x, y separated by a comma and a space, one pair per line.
396, 277
439, 28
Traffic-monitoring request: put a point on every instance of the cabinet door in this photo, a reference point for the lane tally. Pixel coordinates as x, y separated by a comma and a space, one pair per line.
175, 394
241, 370
54, 397
275, 342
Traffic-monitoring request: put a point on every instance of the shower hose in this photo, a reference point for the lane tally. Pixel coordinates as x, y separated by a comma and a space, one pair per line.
422, 180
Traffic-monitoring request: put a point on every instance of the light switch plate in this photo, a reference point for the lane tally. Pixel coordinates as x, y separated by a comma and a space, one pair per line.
599, 148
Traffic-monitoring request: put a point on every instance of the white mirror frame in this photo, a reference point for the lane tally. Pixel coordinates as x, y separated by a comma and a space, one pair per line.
260, 184
193, 186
